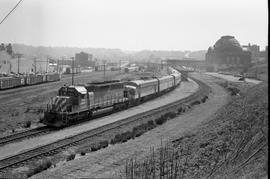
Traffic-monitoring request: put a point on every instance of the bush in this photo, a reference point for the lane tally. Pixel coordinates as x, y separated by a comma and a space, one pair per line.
40, 166
116, 139
103, 144
234, 91
180, 110
161, 120
195, 103
95, 147
83, 152
27, 124
170, 115
204, 99
151, 124
71, 157
137, 131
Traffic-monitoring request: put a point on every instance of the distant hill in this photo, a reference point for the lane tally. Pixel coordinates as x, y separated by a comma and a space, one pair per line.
56, 52
104, 53
158, 54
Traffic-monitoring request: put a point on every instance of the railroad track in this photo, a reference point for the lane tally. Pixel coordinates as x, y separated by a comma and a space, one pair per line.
24, 135
81, 138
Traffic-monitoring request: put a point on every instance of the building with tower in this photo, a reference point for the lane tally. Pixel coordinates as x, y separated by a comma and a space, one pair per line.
227, 54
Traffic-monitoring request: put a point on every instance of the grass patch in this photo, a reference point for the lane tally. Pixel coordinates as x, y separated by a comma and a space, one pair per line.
40, 166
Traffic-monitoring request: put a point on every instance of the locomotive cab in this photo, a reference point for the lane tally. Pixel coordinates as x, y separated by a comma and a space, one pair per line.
70, 99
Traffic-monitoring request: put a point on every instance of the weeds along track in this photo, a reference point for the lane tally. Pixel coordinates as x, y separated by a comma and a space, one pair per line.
24, 135
60, 145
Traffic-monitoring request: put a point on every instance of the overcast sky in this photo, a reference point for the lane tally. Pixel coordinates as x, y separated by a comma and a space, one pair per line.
134, 24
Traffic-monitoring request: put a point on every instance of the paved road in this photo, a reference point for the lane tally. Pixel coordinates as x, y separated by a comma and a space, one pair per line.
233, 78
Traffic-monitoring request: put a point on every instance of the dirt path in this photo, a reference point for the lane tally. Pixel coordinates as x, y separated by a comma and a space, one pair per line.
107, 162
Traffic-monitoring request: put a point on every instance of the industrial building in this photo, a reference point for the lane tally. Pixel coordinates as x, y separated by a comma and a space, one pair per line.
84, 59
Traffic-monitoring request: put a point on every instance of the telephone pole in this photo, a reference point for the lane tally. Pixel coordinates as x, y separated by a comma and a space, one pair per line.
57, 70
47, 64
19, 58
104, 69
35, 62
72, 73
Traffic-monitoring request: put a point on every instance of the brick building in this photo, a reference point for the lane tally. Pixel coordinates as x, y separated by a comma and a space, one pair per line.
84, 59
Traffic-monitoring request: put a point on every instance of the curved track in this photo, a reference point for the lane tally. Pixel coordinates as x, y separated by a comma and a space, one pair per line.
78, 139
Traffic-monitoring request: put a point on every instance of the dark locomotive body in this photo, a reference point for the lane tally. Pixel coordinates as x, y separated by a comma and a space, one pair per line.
76, 103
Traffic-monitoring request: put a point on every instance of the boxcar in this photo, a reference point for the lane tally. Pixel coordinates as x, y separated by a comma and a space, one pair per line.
9, 82
34, 79
52, 77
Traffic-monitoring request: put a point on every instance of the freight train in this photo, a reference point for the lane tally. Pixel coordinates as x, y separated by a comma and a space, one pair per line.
18, 81
80, 102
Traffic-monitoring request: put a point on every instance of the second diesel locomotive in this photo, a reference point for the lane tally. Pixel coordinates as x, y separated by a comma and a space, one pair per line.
75, 103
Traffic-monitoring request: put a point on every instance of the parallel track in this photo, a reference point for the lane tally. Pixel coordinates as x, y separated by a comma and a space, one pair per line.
78, 139
24, 135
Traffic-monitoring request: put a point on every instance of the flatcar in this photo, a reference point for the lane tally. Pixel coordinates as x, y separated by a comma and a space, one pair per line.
74, 103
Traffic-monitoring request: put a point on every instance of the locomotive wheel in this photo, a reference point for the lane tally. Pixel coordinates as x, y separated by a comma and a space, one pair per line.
89, 115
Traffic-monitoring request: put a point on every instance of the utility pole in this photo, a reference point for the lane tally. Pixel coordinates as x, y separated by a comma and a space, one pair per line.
62, 64
72, 73
19, 58
57, 70
18, 64
104, 69
35, 62
47, 64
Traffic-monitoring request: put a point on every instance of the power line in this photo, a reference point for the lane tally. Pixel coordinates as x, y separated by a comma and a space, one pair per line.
11, 11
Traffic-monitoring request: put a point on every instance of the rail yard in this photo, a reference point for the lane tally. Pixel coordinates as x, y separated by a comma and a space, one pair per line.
22, 149
133, 89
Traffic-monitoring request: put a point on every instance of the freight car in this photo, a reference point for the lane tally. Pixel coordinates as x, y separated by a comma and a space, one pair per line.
49, 77
9, 82
31, 79
75, 103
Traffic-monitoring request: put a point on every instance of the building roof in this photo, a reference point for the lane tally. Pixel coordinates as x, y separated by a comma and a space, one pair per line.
227, 43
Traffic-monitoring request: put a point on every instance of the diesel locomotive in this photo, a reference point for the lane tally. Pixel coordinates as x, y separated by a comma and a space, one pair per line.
79, 102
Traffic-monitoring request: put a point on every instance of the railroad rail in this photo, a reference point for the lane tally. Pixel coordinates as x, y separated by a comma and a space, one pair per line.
81, 138
24, 135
